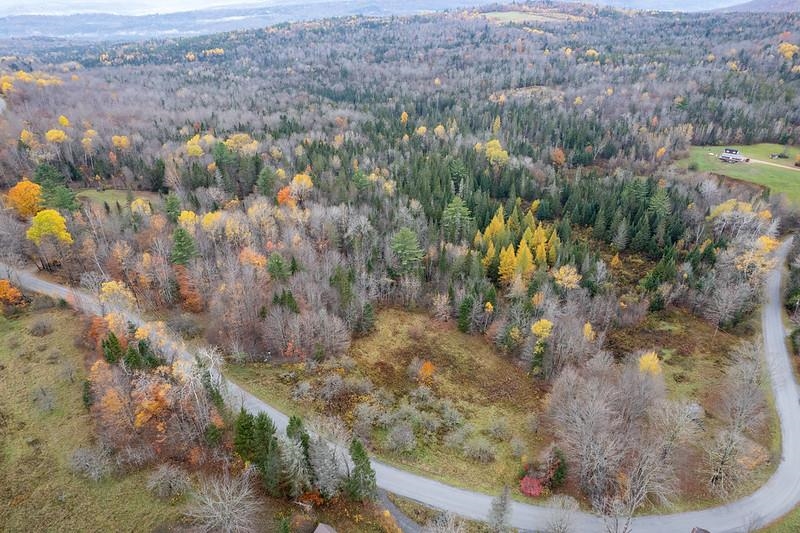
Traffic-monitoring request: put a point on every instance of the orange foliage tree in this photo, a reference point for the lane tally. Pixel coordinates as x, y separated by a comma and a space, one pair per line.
25, 198
9, 295
191, 300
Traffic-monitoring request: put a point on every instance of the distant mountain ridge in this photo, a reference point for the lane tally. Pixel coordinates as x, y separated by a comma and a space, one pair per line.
765, 6
121, 27
113, 27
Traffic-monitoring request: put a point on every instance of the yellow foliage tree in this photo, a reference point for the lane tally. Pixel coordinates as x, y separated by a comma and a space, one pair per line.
117, 295
403, 118
28, 138
121, 142
25, 198
588, 332
542, 328
496, 225
495, 153
55, 136
188, 220
567, 277
788, 50
64, 121
649, 364
439, 131
525, 265
489, 256
541, 254
210, 221
553, 245
496, 125
193, 148
508, 264
48, 222
241, 142
615, 261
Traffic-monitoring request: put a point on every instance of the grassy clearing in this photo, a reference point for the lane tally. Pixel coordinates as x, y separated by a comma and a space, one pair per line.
778, 180
37, 490
112, 197
521, 17
483, 386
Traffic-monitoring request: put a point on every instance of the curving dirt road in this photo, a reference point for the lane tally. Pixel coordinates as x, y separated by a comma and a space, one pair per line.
762, 162
774, 499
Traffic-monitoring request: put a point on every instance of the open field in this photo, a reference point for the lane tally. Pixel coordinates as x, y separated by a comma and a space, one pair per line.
37, 489
521, 17
779, 180
114, 196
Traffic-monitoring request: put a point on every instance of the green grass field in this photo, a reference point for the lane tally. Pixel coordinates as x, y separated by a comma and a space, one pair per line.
38, 492
779, 180
114, 196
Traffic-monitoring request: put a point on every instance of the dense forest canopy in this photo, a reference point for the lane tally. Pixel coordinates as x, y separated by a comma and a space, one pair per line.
286, 184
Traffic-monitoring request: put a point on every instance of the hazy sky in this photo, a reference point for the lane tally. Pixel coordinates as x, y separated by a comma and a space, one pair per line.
131, 7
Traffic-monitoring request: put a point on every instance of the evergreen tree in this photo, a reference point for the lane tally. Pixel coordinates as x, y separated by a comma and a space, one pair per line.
367, 322
266, 182
132, 359
294, 468
464, 311
55, 194
361, 483
244, 435
183, 247
456, 220
642, 240
406, 249
325, 468
112, 349
600, 223
266, 454
296, 431
172, 206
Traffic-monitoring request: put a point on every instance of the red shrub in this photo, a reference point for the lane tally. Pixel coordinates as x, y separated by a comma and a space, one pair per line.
530, 486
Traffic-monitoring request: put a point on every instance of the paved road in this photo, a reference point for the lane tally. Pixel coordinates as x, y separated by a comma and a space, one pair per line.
777, 497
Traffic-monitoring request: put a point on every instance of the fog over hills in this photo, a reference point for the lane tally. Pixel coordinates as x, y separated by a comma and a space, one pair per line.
90, 20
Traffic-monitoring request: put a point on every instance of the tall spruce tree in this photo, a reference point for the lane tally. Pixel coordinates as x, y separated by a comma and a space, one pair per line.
361, 483
183, 247
244, 441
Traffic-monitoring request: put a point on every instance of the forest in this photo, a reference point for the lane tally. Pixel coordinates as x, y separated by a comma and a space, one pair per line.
308, 202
